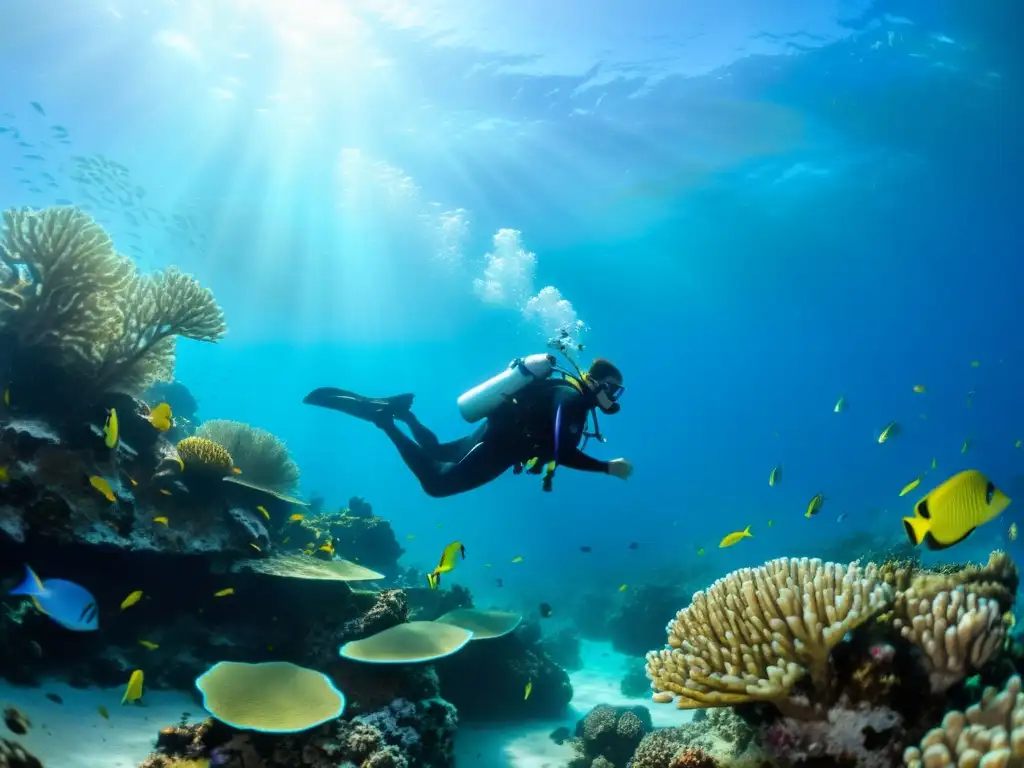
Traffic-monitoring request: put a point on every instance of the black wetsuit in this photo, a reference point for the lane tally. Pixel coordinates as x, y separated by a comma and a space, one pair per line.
515, 433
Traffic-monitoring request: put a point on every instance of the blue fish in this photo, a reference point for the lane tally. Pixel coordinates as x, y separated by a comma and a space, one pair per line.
71, 606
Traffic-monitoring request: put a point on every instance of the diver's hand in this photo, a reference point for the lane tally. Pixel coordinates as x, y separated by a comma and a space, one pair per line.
620, 468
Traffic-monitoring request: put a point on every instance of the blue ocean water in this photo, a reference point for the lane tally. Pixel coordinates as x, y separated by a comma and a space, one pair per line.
755, 208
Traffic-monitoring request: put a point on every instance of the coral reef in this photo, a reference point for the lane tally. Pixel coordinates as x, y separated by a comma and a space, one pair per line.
611, 734
837, 663
368, 539
75, 313
511, 662
402, 734
261, 458
720, 738
989, 734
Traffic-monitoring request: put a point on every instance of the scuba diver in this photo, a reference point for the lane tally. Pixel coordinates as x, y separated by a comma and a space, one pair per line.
532, 421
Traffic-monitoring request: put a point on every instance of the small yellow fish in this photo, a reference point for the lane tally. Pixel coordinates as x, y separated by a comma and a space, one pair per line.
255, 546
891, 430
165, 492
161, 520
920, 389
517, 559
814, 505
529, 687
296, 518
623, 587
110, 429
775, 476
133, 481
225, 592
949, 513
104, 713
133, 691
1017, 444
328, 548
411, 536
910, 486
840, 405
148, 645
734, 537
975, 364
1013, 531
5, 475
132, 599
160, 417
286, 539
449, 559
263, 509
236, 471
103, 487
935, 463
966, 446
7, 396
700, 551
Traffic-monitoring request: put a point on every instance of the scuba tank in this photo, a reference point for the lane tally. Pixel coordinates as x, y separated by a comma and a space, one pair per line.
481, 400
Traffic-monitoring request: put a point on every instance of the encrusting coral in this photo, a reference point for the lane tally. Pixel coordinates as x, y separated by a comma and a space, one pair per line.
989, 734
754, 633
261, 456
71, 304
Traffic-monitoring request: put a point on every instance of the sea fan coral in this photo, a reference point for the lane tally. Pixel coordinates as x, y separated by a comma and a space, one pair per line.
68, 298
262, 457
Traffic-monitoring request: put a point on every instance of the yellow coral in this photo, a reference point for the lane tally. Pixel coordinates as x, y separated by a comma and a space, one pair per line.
272, 697
989, 734
262, 456
205, 456
756, 631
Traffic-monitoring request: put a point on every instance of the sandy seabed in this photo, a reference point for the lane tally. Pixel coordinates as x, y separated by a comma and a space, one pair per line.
73, 734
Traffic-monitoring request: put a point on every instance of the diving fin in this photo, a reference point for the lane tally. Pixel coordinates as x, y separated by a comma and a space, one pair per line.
366, 408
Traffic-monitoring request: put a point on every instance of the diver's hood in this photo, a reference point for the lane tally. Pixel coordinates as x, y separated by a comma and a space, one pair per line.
611, 410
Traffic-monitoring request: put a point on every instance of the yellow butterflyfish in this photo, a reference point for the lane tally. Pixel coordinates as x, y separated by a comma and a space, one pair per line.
161, 418
161, 520
225, 592
449, 559
111, 432
297, 517
814, 505
949, 513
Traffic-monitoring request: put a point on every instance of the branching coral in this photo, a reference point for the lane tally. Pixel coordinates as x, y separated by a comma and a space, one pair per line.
990, 734
757, 631
957, 630
79, 307
262, 457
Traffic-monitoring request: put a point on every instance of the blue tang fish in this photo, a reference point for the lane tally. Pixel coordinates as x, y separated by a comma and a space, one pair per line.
71, 606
